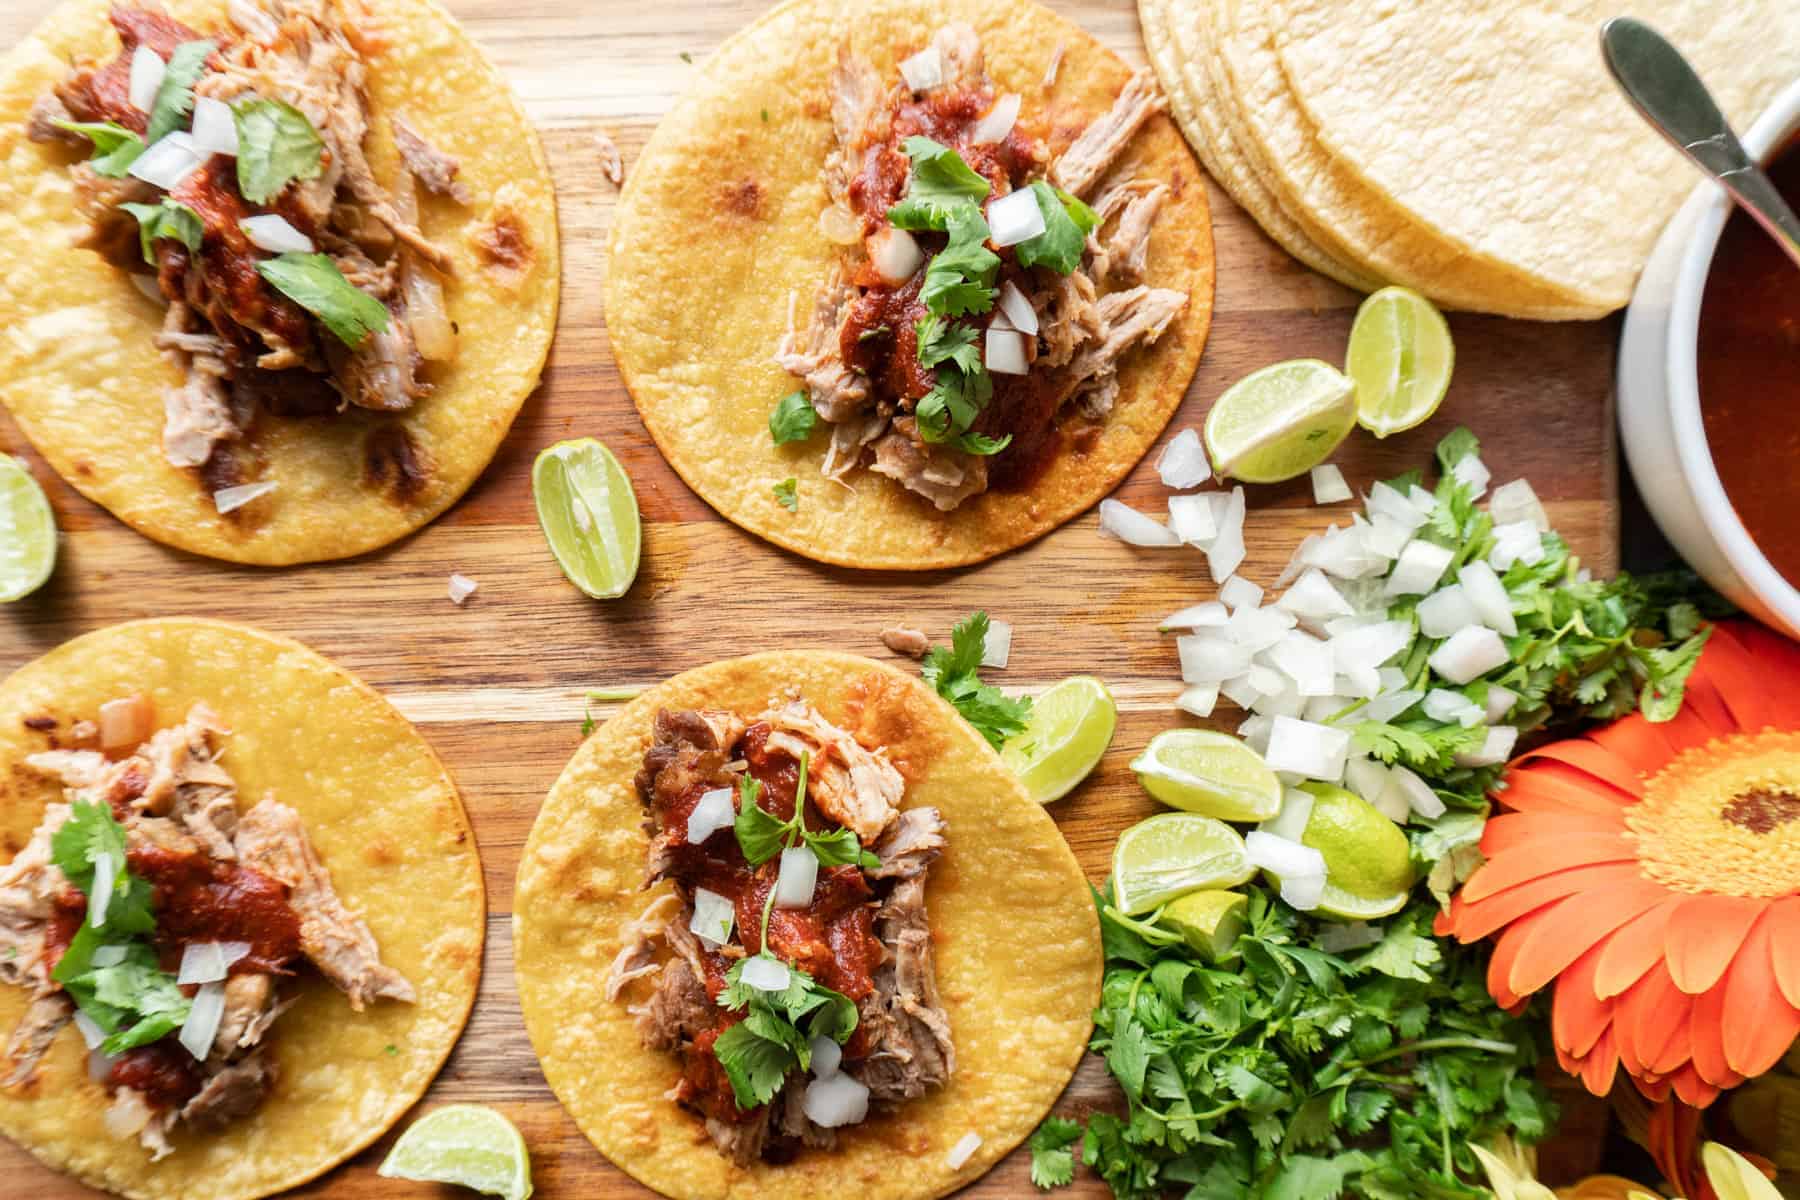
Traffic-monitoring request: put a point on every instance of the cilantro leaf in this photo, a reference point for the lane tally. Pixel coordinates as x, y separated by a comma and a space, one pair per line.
115, 147
760, 833
276, 145
755, 1066
1067, 222
314, 282
1455, 446
981, 444
787, 493
90, 834
941, 184
840, 848
940, 342
760, 1051
1053, 1152
955, 674
169, 219
175, 95
960, 277
792, 419
952, 405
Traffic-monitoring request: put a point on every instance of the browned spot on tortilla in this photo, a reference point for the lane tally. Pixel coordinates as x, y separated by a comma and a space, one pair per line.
222, 470
503, 244
881, 712
394, 462
743, 197
84, 468
379, 854
40, 724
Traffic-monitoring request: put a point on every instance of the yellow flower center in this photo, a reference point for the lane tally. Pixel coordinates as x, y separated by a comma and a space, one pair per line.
1724, 817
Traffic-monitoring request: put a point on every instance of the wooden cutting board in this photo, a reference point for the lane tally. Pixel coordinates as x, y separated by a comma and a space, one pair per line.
497, 686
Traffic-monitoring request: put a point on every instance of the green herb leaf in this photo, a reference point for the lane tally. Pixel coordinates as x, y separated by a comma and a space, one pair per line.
169, 219
1053, 1152
955, 674
314, 282
792, 419
982, 444
759, 1052
942, 342
115, 147
960, 278
175, 96
951, 406
90, 834
755, 1065
787, 494
1067, 222
941, 184
276, 145
761, 834
840, 848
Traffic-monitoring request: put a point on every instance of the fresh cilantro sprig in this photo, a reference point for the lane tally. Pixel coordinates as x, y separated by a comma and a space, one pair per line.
167, 219
1067, 222
962, 390
115, 147
792, 419
941, 185
959, 280
775, 1037
314, 282
787, 493
175, 95
1053, 1152
761, 835
956, 675
276, 145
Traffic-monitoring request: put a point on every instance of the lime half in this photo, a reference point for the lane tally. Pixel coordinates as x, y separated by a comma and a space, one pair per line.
1213, 774
1281, 421
1071, 726
27, 532
466, 1144
1171, 854
1401, 357
1210, 922
1368, 864
589, 516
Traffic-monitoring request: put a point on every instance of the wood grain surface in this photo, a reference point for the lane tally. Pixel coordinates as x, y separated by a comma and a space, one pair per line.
497, 686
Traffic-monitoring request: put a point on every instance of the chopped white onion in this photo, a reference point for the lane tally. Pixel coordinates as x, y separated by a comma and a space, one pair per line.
1182, 463
1307, 661
1496, 748
1238, 592
1014, 218
1388, 502
1517, 542
1469, 654
1369, 645
895, 254
1255, 732
1284, 701
712, 812
125, 721
1306, 748
1226, 554
271, 232
1446, 707
127, 1115
1005, 352
90, 1030
101, 891
1297, 562
838, 226
1386, 537
1516, 501
1344, 553
965, 1149
1365, 777
147, 71
171, 160
1416, 792
202, 1024
1340, 939
1313, 598
1485, 591
1019, 313
1133, 527
209, 962
1422, 499
924, 70
1239, 692
799, 874
1300, 868
1198, 616
1195, 518
1290, 820
148, 285
826, 1056
1445, 611
998, 122
1361, 684
1419, 568
1389, 705
835, 1101
713, 917
1210, 660
233, 498
765, 974
110, 955
1472, 473
461, 588
1256, 629
1198, 701
996, 648
215, 131
1328, 485
1500, 701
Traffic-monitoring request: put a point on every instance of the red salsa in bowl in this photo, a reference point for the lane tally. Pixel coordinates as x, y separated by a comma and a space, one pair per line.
1749, 372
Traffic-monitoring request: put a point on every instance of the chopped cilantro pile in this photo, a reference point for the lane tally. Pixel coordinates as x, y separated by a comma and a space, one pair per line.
955, 673
775, 1037
1295, 1074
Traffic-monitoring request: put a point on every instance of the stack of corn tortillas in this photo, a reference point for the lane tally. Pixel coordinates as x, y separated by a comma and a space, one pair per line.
1473, 149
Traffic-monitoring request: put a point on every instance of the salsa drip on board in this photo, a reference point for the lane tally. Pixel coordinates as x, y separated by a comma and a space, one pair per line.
1748, 354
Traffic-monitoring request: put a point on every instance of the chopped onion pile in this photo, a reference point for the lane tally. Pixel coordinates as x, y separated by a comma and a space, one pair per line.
214, 129
965, 1149
1133, 527
461, 588
1328, 485
712, 812
209, 962
826, 1056
1014, 218
1473, 473
1496, 748
1238, 592
1453, 708
1004, 351
1468, 654
765, 974
895, 254
713, 917
1183, 462
233, 498
1017, 309
168, 162
147, 70
1300, 868
125, 722
1199, 616
799, 873
1308, 748
998, 122
997, 647
1516, 501
835, 1101
271, 232
924, 70
202, 1024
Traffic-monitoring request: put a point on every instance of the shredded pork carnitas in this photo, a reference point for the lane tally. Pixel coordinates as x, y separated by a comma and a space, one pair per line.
216, 875
854, 354
864, 933
243, 344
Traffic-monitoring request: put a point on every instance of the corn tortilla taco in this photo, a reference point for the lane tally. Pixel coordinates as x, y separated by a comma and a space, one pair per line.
242, 915
963, 240
732, 998
276, 275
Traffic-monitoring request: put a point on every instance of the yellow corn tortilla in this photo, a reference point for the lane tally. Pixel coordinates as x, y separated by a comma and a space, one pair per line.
86, 384
387, 822
719, 227
1017, 941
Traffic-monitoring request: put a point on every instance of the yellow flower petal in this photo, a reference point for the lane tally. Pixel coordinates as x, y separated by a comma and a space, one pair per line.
1733, 1177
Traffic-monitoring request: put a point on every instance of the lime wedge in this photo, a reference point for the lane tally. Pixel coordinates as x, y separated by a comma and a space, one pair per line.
1213, 774
1281, 421
1401, 357
27, 532
1171, 854
1368, 864
1070, 728
589, 516
1210, 922
470, 1145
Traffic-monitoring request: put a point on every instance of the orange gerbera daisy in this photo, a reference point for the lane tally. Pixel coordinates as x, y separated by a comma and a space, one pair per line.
1652, 873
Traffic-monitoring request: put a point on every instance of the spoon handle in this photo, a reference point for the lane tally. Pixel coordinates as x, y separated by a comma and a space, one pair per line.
1663, 87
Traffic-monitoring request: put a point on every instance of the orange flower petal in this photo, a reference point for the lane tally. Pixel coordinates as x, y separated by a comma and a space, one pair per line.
1545, 856
1678, 1048
1503, 832
1597, 761
1472, 921
1567, 931
1506, 950
1739, 660
1691, 1088
1645, 745
1545, 786
1704, 934
1654, 1090
1784, 939
1577, 1019
1648, 1014
1633, 949
1707, 1032
1600, 1067
1760, 1024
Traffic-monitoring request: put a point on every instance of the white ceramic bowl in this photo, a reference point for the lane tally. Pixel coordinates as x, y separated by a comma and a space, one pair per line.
1659, 397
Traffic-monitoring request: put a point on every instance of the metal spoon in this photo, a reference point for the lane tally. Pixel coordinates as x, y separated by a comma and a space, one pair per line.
1662, 85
